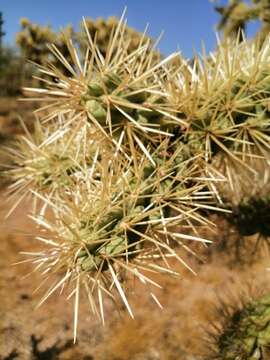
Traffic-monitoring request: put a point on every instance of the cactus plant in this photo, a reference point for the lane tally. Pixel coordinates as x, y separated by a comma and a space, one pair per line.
224, 100
104, 159
237, 14
120, 95
245, 333
101, 29
33, 40
45, 162
128, 156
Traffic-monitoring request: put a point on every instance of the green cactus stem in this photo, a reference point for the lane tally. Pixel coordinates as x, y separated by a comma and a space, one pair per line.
247, 333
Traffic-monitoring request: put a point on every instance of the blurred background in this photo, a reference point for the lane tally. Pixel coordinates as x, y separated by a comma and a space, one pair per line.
178, 331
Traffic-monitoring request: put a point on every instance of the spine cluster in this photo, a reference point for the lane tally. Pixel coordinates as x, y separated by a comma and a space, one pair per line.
128, 152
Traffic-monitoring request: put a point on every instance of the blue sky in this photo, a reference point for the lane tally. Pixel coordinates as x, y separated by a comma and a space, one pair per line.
186, 22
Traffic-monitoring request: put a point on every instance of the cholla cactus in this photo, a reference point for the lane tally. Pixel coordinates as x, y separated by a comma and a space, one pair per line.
117, 221
118, 183
121, 95
225, 101
128, 156
33, 40
237, 14
245, 333
48, 160
101, 29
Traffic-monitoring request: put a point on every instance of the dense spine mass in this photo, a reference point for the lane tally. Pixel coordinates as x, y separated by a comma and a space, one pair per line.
130, 149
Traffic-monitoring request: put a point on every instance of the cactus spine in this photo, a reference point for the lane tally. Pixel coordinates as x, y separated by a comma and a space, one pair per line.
127, 156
